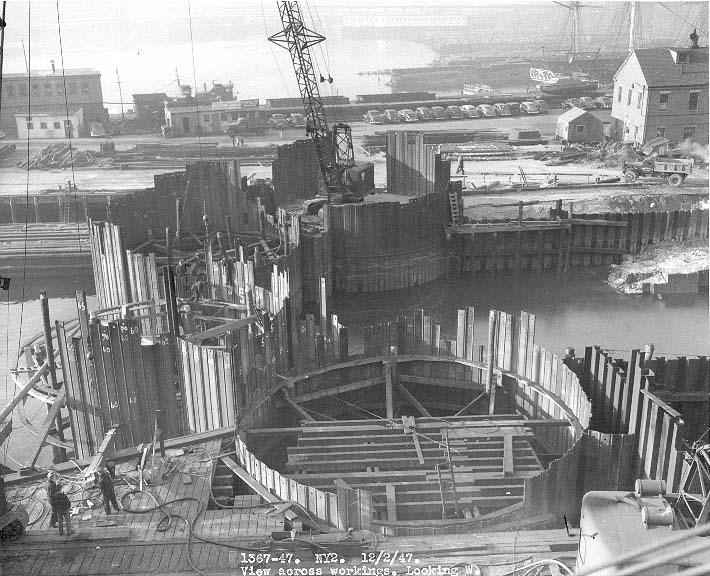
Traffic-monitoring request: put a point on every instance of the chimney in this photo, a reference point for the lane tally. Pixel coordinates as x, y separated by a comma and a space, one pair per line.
694, 39
53, 69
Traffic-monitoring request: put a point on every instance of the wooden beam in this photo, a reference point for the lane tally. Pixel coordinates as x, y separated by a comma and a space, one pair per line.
470, 404
391, 503
409, 425
197, 337
389, 392
46, 425
508, 466
24, 391
408, 395
296, 406
351, 387
98, 458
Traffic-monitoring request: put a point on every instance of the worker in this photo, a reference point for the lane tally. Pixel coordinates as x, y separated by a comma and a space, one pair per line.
62, 504
196, 290
108, 493
51, 491
227, 262
459, 166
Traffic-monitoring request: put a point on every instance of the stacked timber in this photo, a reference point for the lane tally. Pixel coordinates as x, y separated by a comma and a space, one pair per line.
477, 151
378, 139
413, 168
158, 155
59, 156
6, 150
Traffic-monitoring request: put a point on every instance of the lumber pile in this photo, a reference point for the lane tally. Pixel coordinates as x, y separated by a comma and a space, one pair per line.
478, 151
378, 139
59, 156
6, 150
158, 155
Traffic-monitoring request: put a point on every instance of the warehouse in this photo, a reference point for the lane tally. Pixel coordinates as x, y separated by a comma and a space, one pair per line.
578, 126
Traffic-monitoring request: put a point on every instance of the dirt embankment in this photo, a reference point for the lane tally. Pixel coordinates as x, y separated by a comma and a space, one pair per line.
656, 264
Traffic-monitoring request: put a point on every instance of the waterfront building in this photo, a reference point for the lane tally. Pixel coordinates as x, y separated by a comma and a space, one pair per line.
43, 92
662, 92
51, 125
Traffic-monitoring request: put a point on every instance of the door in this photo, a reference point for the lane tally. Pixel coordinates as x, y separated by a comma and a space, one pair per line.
186, 125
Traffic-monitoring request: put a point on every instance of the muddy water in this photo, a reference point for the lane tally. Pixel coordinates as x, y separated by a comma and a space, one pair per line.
576, 310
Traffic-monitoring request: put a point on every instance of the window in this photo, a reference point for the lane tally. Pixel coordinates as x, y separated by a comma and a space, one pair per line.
223, 116
693, 100
35, 88
28, 118
233, 116
618, 94
29, 126
22, 89
206, 118
10, 89
628, 97
636, 132
57, 125
72, 88
661, 131
579, 128
47, 89
84, 87
682, 57
639, 100
67, 123
43, 125
59, 88
688, 132
663, 101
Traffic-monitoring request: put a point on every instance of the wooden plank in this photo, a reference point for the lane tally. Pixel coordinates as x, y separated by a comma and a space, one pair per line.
408, 395
391, 503
508, 464
49, 422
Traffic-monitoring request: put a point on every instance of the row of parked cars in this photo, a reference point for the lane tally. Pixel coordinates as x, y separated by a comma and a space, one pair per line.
588, 103
391, 116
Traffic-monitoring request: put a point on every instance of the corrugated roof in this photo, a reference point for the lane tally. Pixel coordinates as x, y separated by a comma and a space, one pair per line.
659, 67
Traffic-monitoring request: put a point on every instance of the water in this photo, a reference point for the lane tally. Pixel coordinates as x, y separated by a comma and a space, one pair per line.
146, 46
576, 310
18, 324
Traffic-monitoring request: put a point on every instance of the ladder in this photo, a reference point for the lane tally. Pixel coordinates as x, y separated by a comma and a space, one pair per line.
454, 206
66, 216
447, 485
523, 178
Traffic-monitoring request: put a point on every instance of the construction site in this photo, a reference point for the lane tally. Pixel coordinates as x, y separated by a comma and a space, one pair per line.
207, 373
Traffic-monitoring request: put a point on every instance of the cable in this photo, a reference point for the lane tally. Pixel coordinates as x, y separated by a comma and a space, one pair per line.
71, 150
682, 18
194, 77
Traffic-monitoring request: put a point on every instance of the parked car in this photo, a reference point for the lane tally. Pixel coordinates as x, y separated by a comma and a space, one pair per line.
454, 112
423, 113
502, 109
529, 107
408, 115
542, 106
471, 111
390, 116
514, 108
571, 103
603, 102
297, 120
278, 121
588, 103
438, 112
96, 130
487, 111
373, 117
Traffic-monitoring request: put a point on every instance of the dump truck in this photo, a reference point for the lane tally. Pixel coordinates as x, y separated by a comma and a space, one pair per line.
674, 170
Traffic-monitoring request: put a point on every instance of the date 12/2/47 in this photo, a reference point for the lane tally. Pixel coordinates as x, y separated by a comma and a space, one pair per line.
386, 557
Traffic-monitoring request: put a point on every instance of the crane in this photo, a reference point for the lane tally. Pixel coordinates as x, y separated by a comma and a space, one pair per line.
334, 149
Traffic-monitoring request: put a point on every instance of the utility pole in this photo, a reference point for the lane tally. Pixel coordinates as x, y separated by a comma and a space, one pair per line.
2, 47
120, 96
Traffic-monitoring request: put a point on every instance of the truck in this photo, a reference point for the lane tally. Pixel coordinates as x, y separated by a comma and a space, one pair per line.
674, 170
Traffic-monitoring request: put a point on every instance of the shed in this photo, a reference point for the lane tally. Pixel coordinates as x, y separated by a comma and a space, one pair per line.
579, 126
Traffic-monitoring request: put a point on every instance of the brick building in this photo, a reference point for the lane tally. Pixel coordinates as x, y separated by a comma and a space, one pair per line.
43, 93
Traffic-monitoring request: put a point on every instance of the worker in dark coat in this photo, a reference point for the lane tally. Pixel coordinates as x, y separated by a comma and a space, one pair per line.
62, 504
105, 483
196, 290
51, 491
459, 166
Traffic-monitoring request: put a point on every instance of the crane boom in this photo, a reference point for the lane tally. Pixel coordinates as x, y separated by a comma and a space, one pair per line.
334, 150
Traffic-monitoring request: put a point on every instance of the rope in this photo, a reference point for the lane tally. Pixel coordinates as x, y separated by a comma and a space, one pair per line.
71, 150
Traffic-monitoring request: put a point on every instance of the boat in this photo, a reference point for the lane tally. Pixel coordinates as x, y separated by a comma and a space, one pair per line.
563, 85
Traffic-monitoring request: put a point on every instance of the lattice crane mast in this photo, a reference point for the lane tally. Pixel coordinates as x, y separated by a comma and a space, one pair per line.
334, 149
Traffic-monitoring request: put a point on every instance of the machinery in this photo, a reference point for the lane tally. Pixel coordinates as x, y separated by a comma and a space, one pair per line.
13, 519
334, 149
625, 530
674, 170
